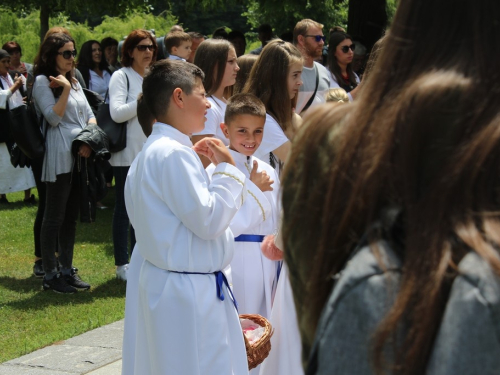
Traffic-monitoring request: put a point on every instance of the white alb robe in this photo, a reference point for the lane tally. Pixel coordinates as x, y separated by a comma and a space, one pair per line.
286, 350
181, 221
253, 275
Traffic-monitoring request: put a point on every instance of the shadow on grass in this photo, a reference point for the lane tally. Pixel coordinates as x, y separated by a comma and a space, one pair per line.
39, 299
17, 206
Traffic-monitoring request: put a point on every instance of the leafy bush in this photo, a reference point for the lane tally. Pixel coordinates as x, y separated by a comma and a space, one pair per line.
25, 28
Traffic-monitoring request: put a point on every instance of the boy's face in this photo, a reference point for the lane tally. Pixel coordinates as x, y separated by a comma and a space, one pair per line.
245, 133
111, 54
184, 50
196, 105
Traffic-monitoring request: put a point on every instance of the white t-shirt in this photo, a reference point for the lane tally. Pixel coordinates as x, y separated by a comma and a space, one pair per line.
215, 115
274, 137
309, 84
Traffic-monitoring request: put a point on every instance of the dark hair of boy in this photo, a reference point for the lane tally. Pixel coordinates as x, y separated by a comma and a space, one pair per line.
163, 78
108, 42
244, 104
196, 35
174, 39
144, 115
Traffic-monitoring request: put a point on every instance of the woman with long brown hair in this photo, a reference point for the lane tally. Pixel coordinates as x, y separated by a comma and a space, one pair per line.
94, 68
403, 220
340, 56
275, 79
217, 58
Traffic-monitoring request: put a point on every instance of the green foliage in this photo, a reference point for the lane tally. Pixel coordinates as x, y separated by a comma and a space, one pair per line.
391, 10
283, 16
25, 29
205, 22
121, 27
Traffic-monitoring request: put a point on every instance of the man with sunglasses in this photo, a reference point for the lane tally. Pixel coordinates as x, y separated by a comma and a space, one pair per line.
309, 39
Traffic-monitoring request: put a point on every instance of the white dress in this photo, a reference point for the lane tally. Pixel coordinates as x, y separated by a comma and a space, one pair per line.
12, 179
286, 350
181, 221
253, 275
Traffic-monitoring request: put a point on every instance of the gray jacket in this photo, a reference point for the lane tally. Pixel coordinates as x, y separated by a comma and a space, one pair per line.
468, 340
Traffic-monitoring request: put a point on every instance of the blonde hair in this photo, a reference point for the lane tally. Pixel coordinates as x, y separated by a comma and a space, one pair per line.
338, 95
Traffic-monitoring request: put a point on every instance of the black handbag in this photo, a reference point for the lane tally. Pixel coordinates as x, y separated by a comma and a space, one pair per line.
17, 157
116, 132
95, 100
4, 126
26, 130
4, 122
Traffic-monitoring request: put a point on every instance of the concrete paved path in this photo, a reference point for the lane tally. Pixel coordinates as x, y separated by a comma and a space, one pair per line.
97, 352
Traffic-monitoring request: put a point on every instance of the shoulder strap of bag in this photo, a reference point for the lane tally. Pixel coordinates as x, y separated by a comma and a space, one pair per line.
308, 104
128, 86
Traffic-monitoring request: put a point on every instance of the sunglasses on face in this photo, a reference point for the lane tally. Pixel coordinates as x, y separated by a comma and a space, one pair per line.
317, 38
345, 49
67, 54
144, 47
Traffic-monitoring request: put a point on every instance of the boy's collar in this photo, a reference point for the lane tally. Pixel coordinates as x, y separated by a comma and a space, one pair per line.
238, 157
171, 132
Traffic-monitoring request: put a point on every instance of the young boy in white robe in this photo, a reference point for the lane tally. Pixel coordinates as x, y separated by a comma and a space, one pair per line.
253, 275
186, 320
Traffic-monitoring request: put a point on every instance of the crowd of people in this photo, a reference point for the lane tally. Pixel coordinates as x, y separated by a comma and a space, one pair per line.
352, 203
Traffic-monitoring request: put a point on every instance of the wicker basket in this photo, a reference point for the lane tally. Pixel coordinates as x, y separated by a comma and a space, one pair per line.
259, 350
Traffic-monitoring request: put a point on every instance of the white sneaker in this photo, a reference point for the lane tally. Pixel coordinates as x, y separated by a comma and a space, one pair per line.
121, 272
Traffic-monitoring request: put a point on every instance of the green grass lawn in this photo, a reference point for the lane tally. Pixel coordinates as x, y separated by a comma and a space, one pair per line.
31, 318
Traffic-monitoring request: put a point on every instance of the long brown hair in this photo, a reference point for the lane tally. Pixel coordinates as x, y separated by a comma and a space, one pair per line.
424, 136
245, 62
336, 38
211, 56
268, 80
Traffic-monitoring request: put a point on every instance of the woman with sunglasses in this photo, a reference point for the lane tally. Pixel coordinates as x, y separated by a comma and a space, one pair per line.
138, 53
340, 55
93, 67
60, 99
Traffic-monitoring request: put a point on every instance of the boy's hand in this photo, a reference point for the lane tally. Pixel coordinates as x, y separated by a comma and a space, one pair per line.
214, 149
261, 179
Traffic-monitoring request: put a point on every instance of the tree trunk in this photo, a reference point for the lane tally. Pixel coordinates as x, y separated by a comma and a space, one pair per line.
367, 19
44, 19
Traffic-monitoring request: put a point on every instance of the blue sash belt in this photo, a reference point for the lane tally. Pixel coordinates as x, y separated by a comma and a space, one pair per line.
220, 279
249, 238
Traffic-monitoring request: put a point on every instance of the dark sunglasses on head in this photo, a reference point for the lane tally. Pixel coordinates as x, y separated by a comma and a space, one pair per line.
317, 38
143, 47
345, 49
67, 54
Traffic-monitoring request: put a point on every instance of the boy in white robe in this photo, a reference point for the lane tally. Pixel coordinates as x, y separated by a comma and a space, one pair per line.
253, 275
186, 320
